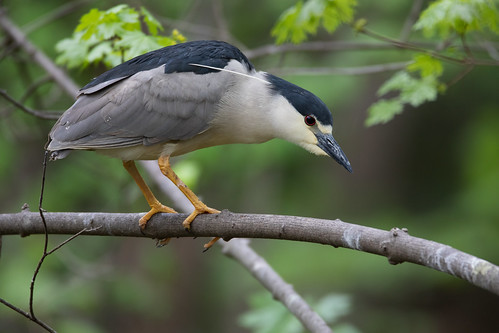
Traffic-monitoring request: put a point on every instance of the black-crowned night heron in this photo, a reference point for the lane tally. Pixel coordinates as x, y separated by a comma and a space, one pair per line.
185, 97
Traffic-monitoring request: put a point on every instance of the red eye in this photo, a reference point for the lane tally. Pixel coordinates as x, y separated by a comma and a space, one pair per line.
309, 120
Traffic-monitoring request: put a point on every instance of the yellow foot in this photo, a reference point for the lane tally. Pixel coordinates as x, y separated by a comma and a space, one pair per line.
208, 245
198, 210
159, 208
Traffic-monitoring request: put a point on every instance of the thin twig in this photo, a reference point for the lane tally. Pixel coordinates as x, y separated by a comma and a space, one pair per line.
34, 86
339, 46
362, 70
57, 13
466, 48
414, 47
460, 76
31, 315
45, 242
82, 231
409, 22
221, 22
38, 56
314, 46
27, 315
50, 115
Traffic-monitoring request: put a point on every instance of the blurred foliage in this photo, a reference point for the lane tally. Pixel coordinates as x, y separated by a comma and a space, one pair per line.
434, 171
113, 36
268, 316
447, 17
304, 18
456, 18
412, 90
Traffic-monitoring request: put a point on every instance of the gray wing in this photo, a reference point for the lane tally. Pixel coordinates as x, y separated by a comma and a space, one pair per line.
146, 108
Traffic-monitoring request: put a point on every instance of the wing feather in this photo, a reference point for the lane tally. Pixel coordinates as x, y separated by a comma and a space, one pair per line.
146, 108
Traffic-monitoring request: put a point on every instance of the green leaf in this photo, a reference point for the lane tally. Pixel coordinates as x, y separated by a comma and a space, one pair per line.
411, 90
461, 16
152, 24
268, 316
136, 43
420, 91
305, 18
338, 12
112, 36
88, 20
99, 52
72, 52
399, 80
426, 65
383, 111
286, 29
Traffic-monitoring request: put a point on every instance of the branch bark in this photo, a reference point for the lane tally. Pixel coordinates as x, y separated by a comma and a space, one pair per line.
397, 245
239, 250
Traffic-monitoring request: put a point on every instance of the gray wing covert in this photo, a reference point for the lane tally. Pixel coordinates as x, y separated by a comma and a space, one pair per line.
146, 108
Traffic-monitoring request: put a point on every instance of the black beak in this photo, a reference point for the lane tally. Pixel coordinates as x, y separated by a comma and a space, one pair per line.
327, 143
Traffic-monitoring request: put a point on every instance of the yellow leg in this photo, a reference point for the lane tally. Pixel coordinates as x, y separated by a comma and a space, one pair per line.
156, 206
199, 206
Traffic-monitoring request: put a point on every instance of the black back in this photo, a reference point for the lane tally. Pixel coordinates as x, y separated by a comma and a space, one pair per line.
177, 58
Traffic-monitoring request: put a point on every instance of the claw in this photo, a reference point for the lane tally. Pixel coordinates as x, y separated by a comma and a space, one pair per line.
159, 208
208, 245
197, 211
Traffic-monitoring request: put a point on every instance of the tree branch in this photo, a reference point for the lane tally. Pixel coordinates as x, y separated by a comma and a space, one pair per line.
239, 250
361, 70
51, 115
417, 48
329, 46
38, 56
396, 244
410, 20
57, 13
27, 315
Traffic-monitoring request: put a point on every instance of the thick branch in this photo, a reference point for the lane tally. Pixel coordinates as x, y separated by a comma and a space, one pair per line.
396, 244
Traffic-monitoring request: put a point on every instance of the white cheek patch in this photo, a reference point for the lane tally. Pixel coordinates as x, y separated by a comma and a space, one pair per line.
314, 149
326, 129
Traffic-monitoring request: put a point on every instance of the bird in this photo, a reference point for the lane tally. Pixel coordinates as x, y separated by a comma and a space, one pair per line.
185, 97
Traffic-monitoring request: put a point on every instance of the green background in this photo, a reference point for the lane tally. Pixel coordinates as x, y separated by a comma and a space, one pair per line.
433, 170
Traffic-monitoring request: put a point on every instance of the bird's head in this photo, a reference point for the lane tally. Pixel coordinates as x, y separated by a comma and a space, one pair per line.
302, 118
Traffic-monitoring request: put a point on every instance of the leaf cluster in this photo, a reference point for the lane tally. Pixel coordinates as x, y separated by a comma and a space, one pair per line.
113, 36
416, 84
305, 18
420, 81
445, 17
